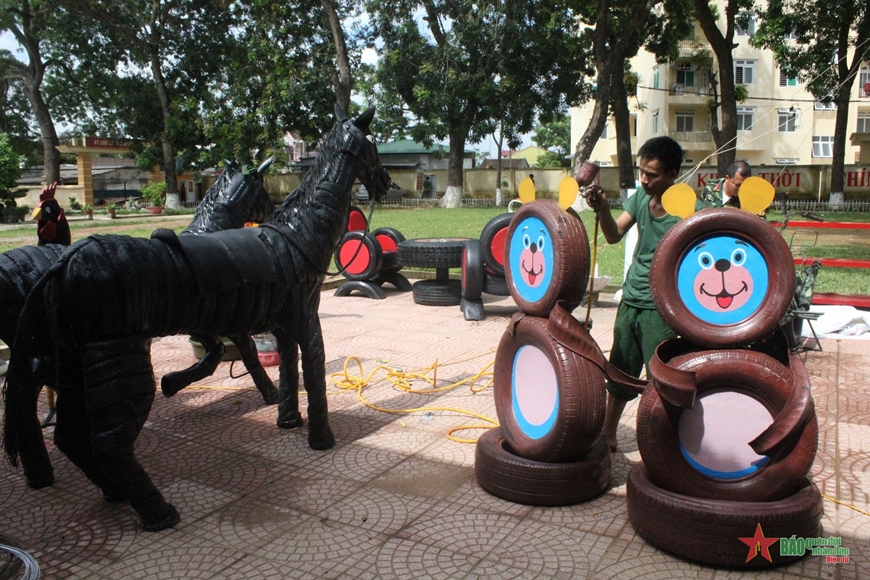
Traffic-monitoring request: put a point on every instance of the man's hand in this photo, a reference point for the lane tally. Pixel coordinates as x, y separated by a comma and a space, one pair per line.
596, 198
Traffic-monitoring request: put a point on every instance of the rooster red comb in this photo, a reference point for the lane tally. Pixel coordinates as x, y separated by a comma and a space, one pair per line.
48, 192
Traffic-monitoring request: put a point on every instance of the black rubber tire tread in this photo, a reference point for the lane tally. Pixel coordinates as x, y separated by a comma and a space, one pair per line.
582, 396
570, 270
487, 235
708, 531
755, 374
432, 252
369, 246
495, 285
682, 238
434, 293
472, 270
506, 475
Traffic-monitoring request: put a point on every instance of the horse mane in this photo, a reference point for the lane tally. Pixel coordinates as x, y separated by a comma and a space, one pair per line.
207, 206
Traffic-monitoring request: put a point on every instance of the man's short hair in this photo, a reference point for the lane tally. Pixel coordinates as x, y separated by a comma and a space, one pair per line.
666, 150
740, 166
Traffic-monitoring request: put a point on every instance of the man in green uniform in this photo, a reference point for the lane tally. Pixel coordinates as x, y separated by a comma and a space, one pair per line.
724, 191
638, 328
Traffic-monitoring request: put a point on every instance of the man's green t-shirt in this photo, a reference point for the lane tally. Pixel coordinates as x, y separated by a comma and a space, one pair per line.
650, 230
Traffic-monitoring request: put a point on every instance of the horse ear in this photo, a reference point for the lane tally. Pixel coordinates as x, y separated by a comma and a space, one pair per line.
262, 168
340, 115
364, 120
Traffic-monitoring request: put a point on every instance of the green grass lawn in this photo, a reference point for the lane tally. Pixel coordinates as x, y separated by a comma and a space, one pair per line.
468, 222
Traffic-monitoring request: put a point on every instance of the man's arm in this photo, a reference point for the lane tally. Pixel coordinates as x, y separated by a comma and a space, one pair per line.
613, 229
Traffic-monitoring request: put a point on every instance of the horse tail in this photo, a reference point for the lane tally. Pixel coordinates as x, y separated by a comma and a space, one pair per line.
22, 433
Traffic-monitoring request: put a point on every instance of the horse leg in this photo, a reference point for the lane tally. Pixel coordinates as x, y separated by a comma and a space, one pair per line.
314, 378
173, 382
288, 381
248, 352
72, 433
119, 391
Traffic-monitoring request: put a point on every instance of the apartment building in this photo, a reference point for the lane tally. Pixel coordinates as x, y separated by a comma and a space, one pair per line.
780, 124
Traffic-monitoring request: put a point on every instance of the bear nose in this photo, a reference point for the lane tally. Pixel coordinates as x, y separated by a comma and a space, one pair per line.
723, 265
533, 248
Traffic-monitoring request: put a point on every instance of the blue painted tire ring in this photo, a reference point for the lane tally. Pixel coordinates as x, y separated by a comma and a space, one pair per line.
546, 258
550, 401
750, 373
722, 278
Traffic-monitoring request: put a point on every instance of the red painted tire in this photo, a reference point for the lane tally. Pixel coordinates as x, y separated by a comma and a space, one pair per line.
550, 401
710, 531
356, 220
722, 278
493, 238
503, 473
703, 451
546, 258
472, 270
389, 239
358, 255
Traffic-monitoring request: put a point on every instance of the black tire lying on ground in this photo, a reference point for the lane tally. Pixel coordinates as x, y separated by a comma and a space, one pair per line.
495, 285
435, 293
432, 252
710, 531
506, 475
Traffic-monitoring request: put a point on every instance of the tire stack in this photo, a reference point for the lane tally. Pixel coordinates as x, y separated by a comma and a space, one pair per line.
369, 259
727, 432
548, 377
483, 267
440, 254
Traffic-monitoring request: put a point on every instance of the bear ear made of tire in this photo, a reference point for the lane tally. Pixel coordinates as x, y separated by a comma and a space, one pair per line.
358, 255
493, 238
704, 452
722, 278
546, 258
549, 400
709, 531
504, 474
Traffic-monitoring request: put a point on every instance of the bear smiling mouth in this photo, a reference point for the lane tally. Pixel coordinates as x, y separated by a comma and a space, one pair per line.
724, 298
531, 273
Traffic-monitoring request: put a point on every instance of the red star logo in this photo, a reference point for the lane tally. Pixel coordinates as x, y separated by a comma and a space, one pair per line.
758, 543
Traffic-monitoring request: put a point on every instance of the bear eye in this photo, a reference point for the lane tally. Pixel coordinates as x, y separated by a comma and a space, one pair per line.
541, 242
705, 260
527, 241
738, 257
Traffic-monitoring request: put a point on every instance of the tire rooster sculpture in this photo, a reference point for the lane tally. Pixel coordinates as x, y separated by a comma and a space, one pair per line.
51, 224
109, 295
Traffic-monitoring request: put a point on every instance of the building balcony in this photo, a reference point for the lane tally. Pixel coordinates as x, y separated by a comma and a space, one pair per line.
684, 90
691, 136
691, 46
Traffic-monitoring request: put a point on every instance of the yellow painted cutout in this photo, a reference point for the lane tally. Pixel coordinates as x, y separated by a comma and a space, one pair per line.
679, 200
527, 190
568, 191
756, 194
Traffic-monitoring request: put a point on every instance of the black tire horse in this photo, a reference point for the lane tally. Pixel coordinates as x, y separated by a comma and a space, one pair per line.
105, 299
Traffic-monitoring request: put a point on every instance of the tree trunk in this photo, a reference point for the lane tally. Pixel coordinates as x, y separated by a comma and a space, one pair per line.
499, 200
453, 196
342, 81
841, 129
47, 131
166, 140
624, 156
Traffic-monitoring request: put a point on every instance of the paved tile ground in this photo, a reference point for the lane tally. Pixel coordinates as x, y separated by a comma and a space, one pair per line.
395, 498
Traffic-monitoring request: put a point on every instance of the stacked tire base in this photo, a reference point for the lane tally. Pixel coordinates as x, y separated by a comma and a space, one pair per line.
710, 531
508, 476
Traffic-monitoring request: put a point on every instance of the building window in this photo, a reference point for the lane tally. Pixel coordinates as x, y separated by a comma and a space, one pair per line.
655, 122
634, 125
785, 81
864, 81
744, 72
744, 24
786, 161
863, 122
823, 146
744, 118
604, 132
686, 74
825, 104
656, 77
786, 120
685, 121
